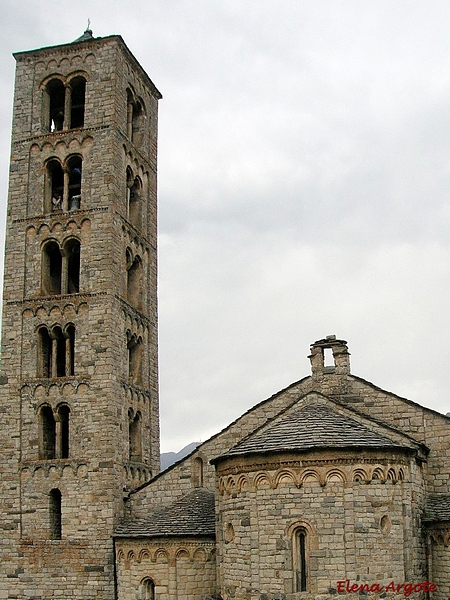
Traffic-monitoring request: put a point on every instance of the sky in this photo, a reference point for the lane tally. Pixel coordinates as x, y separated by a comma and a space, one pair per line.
304, 184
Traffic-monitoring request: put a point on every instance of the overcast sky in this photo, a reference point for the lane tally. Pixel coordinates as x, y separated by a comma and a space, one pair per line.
304, 184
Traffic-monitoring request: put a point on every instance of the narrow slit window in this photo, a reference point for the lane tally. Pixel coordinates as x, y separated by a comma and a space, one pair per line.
300, 560
55, 515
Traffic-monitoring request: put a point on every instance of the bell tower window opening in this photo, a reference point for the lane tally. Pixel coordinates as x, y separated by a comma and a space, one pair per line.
135, 348
135, 203
74, 167
70, 350
47, 434
134, 281
55, 515
44, 350
328, 357
135, 437
54, 187
62, 432
77, 97
72, 259
59, 356
51, 269
135, 118
56, 99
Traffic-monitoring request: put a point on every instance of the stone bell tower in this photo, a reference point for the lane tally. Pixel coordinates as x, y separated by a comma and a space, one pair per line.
79, 402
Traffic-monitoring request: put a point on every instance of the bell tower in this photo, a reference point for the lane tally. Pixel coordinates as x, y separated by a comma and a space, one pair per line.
79, 404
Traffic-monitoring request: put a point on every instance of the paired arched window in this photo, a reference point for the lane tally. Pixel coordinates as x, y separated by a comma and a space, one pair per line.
135, 436
64, 103
135, 352
55, 514
134, 279
53, 432
56, 351
61, 268
63, 184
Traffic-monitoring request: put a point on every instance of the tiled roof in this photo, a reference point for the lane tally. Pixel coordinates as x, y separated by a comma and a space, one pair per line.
313, 426
191, 515
438, 508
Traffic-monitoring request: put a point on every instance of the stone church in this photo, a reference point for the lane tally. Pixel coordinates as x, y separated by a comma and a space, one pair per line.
332, 486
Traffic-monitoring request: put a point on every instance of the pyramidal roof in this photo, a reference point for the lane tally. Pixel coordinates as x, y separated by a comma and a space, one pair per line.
313, 426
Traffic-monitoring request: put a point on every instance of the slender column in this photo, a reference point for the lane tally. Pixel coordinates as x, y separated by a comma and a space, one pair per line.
68, 356
58, 441
67, 107
65, 202
54, 372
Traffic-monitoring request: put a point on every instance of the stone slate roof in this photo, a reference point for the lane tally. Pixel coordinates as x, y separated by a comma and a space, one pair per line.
438, 508
313, 426
191, 515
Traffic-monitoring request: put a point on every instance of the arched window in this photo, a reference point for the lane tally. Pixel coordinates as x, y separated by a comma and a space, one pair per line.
147, 590
197, 467
56, 97
69, 335
77, 101
135, 118
62, 431
134, 281
135, 438
51, 269
55, 515
54, 187
135, 348
138, 118
135, 203
300, 559
74, 167
72, 259
47, 433
44, 353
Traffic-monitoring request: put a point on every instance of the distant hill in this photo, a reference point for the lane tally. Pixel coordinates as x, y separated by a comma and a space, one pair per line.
168, 458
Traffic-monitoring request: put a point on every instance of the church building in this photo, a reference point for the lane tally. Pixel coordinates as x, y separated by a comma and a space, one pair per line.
331, 487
